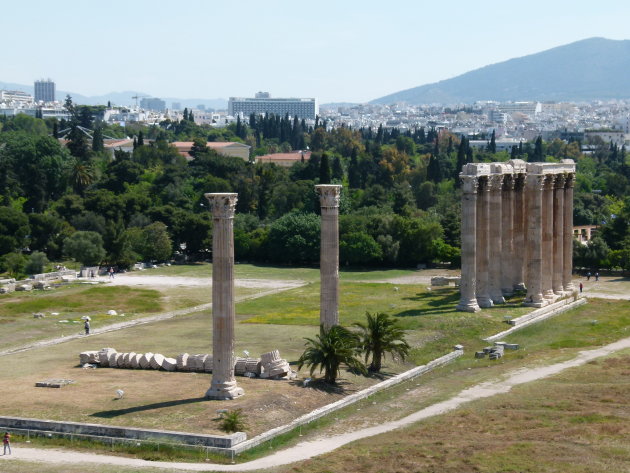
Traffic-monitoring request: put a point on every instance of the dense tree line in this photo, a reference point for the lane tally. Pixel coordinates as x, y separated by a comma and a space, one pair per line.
399, 207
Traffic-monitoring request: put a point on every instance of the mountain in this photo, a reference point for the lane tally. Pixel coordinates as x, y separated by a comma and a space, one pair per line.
119, 98
590, 69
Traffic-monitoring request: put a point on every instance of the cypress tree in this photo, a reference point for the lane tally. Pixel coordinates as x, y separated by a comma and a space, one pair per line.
324, 170
55, 131
140, 138
337, 169
354, 177
461, 159
538, 150
186, 114
238, 125
493, 143
191, 117
97, 140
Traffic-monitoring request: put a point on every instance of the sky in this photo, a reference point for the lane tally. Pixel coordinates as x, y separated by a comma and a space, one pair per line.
335, 51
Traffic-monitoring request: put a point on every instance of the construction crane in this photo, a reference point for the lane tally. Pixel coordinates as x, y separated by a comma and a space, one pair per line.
138, 97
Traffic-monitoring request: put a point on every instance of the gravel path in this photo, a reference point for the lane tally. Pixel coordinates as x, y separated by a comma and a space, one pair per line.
305, 450
268, 286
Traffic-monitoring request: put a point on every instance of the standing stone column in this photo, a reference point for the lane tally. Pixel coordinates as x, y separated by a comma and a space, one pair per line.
547, 240
223, 384
558, 234
567, 260
519, 256
534, 188
507, 236
483, 297
468, 282
329, 254
494, 262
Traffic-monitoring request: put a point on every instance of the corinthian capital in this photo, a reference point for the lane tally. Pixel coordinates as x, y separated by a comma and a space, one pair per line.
222, 204
469, 184
328, 195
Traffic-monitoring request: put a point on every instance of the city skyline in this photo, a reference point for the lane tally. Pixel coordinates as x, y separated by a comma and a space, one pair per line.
354, 52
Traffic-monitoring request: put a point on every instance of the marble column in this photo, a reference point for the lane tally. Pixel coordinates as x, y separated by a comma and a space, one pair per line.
520, 250
468, 282
329, 254
494, 240
547, 234
534, 188
567, 260
483, 255
507, 236
223, 384
558, 234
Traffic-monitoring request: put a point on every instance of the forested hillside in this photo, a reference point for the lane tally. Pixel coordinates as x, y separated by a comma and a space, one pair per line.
400, 200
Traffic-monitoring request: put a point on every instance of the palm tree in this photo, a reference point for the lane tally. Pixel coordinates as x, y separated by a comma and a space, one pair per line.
330, 349
381, 334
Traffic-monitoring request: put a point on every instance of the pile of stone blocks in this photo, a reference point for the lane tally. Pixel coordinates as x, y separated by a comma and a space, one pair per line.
495, 352
7, 286
270, 365
445, 281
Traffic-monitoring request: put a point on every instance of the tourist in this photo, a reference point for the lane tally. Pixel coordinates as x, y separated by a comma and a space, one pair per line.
86, 325
596, 276
111, 272
7, 443
588, 276
581, 287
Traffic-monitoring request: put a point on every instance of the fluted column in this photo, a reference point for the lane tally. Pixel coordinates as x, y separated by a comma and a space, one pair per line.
534, 189
483, 254
495, 234
329, 254
507, 236
468, 282
223, 384
567, 260
558, 234
519, 256
547, 241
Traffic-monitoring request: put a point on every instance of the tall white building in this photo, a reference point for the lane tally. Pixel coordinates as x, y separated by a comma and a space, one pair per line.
263, 103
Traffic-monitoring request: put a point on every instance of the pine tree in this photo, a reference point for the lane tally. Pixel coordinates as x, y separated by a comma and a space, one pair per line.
324, 170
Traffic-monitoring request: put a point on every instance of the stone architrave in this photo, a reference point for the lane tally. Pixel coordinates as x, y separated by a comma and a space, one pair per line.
494, 238
519, 257
567, 260
468, 284
558, 234
547, 237
483, 255
534, 188
507, 236
223, 384
329, 254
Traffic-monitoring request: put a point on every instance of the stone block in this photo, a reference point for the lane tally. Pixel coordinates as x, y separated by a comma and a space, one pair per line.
88, 357
182, 362
269, 357
511, 346
145, 361
41, 285
103, 356
24, 287
239, 366
38, 315
169, 364
480, 354
253, 365
156, 361
208, 363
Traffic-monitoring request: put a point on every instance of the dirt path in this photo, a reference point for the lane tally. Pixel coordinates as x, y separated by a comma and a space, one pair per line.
268, 286
305, 450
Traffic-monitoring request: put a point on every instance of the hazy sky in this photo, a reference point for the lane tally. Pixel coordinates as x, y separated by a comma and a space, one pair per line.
333, 50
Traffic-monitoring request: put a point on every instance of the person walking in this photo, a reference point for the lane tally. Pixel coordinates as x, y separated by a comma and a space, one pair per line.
6, 440
111, 272
86, 325
596, 276
581, 287
588, 276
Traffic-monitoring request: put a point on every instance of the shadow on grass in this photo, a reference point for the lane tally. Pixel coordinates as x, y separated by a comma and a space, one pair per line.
340, 387
434, 302
148, 407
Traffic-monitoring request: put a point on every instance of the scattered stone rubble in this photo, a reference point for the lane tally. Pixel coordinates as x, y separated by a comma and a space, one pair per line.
445, 281
495, 352
268, 366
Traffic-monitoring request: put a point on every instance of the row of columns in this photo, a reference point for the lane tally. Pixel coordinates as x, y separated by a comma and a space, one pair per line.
223, 205
517, 230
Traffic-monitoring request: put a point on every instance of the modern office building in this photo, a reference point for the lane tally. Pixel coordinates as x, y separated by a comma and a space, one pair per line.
263, 103
150, 103
15, 97
44, 90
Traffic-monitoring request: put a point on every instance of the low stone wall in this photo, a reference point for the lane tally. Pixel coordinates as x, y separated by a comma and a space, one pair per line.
108, 432
52, 276
346, 401
540, 314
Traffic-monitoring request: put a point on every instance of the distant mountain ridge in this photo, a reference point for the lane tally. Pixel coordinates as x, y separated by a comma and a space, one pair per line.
119, 98
590, 69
